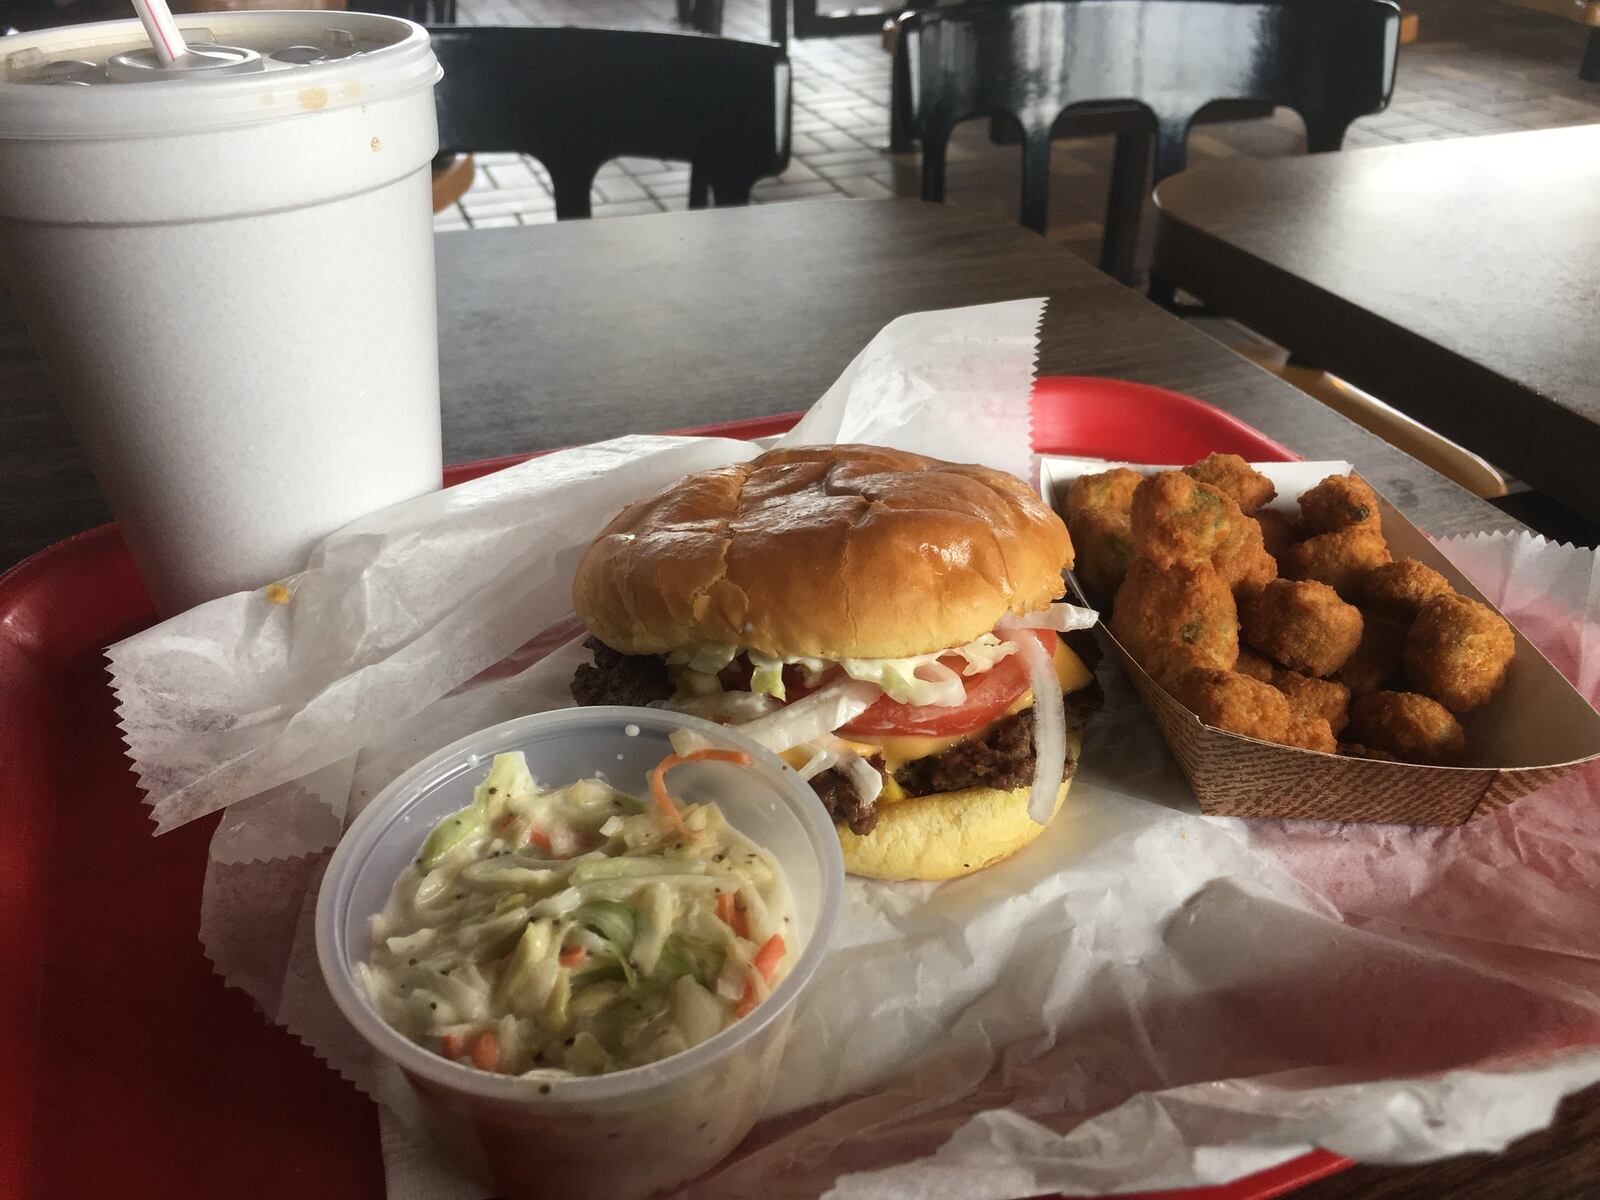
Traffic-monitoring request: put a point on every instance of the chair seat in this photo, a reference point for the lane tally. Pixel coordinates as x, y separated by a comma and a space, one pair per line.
451, 179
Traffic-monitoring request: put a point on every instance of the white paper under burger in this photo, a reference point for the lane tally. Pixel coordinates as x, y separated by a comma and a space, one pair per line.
1143, 997
230, 279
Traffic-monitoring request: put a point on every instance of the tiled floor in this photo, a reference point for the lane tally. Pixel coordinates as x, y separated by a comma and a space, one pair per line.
1479, 66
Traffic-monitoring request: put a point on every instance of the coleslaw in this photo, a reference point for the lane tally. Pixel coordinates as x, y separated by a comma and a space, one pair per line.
579, 930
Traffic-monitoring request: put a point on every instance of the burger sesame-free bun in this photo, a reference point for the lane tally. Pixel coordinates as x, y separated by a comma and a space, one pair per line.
826, 552
946, 834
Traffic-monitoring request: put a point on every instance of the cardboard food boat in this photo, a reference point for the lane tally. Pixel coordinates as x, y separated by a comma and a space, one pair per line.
1536, 729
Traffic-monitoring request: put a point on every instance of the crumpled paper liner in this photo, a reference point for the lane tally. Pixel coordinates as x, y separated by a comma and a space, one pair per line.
254, 690
1142, 998
1523, 882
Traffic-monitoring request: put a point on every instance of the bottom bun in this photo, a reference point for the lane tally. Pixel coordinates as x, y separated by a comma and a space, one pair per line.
945, 835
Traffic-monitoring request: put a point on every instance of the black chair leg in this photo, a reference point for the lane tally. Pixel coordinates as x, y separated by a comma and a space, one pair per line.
732, 193
778, 14
1161, 292
901, 139
1036, 178
699, 190
1325, 136
1130, 173
1004, 130
704, 16
572, 193
933, 147
1589, 72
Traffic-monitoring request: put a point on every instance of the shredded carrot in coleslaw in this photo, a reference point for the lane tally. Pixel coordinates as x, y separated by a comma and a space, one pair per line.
658, 784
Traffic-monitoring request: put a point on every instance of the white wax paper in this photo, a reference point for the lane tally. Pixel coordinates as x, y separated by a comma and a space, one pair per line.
946, 385
243, 694
1142, 998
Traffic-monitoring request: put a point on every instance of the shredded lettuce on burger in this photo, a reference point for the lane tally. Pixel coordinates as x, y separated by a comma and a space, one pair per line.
922, 680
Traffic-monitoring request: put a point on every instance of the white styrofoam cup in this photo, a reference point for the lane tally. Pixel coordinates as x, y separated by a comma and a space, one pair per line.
229, 275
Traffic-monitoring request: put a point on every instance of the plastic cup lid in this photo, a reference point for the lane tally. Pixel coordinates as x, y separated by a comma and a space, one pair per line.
243, 67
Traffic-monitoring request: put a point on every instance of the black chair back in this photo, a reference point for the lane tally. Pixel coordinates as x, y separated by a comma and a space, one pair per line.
1330, 60
577, 98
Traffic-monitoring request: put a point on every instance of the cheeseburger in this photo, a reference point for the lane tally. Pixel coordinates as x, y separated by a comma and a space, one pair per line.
884, 621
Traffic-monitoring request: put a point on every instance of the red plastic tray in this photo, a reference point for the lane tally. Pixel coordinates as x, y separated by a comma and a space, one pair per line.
127, 1068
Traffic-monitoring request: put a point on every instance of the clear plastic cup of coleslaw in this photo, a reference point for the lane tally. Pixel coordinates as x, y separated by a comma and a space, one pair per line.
632, 1133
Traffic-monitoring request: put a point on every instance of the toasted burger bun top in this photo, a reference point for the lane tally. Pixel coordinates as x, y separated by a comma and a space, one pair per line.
823, 551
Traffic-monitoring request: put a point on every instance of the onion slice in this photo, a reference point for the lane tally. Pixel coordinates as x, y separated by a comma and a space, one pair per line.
1049, 728
863, 777
948, 690
814, 716
733, 707
1060, 616
822, 759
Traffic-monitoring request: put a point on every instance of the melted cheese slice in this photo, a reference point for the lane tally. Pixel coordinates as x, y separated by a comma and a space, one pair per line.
898, 750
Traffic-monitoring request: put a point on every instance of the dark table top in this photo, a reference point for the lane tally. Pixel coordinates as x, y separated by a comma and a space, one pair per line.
586, 329
1457, 280
582, 330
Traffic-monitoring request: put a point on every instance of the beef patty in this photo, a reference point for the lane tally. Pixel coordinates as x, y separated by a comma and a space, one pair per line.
636, 680
1002, 758
842, 802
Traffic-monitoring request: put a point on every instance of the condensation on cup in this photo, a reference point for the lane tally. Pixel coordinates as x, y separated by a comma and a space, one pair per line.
228, 270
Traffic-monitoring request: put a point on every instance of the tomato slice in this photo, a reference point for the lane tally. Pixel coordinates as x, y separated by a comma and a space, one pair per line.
988, 695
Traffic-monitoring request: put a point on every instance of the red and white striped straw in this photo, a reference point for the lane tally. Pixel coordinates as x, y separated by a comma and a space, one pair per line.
163, 30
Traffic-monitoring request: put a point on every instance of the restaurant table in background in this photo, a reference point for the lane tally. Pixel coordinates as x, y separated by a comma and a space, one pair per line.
1456, 280
589, 329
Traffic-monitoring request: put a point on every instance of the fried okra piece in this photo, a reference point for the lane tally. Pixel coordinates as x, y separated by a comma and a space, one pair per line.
1310, 733
1103, 539
1315, 699
1402, 587
1243, 560
1411, 727
1277, 531
1458, 651
1340, 502
1376, 664
1302, 624
1235, 702
1107, 489
1180, 522
1341, 560
1357, 750
1234, 478
1255, 664
1175, 618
